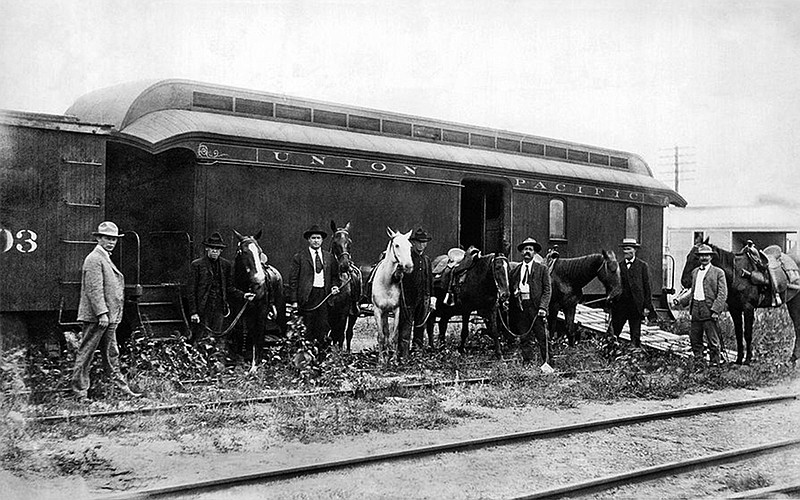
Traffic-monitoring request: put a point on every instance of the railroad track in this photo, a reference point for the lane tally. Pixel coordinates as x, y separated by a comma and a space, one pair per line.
501, 440
271, 398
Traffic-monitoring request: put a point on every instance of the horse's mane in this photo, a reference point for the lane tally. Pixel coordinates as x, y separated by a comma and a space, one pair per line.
578, 269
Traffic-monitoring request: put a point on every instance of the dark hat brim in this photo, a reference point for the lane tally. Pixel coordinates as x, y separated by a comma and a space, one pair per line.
422, 239
632, 245
214, 245
308, 234
120, 235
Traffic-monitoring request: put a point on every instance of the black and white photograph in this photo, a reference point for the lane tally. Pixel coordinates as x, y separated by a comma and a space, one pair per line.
383, 249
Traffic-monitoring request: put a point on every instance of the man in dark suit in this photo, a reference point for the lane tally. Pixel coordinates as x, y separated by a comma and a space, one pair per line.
530, 289
210, 285
707, 300
417, 293
313, 276
635, 297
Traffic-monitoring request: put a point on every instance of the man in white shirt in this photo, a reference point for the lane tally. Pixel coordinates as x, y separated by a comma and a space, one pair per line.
530, 289
706, 302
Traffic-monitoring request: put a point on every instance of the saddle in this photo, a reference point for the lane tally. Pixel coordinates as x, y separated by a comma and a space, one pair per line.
455, 271
776, 274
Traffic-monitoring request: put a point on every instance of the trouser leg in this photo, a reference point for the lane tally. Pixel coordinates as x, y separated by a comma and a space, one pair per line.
526, 329
418, 326
540, 332
635, 324
618, 319
696, 340
316, 321
712, 336
91, 335
111, 354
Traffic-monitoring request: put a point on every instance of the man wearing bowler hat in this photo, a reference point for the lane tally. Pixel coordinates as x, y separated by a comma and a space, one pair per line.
529, 284
100, 311
314, 275
635, 299
417, 295
211, 285
706, 301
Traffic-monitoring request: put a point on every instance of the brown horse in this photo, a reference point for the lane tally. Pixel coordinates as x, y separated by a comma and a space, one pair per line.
568, 276
344, 306
743, 298
485, 290
266, 313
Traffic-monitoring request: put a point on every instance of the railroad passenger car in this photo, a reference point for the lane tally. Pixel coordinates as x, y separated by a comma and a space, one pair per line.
185, 159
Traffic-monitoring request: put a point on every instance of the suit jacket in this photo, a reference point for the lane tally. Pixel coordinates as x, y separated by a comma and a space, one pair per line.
715, 289
102, 288
202, 279
636, 291
418, 285
538, 284
301, 277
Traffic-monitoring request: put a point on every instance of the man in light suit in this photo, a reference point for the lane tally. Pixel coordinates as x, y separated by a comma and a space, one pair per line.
530, 288
707, 301
313, 276
636, 297
100, 311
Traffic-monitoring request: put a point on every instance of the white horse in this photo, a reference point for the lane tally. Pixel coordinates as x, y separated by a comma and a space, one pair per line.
386, 289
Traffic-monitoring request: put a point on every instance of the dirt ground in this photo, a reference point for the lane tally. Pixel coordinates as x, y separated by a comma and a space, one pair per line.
152, 459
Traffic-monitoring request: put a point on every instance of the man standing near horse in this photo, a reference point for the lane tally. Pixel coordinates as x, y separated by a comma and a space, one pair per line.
312, 279
211, 285
418, 297
530, 289
706, 302
100, 311
636, 297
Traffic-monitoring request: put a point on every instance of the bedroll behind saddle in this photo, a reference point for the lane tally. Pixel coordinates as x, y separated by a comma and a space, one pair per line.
776, 274
783, 272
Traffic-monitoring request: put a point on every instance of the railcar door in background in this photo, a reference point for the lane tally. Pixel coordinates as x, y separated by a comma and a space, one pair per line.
482, 216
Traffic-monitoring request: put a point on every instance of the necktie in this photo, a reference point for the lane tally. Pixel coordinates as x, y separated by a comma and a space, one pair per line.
317, 262
525, 276
628, 264
702, 268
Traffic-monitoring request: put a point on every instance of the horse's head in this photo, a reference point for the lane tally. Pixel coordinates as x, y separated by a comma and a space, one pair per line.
693, 261
340, 247
399, 249
608, 274
250, 256
500, 271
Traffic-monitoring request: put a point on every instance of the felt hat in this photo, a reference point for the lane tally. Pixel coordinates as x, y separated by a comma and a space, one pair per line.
705, 250
315, 229
215, 241
107, 228
630, 242
420, 235
530, 241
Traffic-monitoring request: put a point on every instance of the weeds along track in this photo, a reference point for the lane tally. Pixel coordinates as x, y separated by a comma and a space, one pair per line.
503, 440
271, 398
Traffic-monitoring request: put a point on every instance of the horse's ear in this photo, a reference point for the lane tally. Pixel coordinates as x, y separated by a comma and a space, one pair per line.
390, 232
604, 253
409, 233
333, 226
238, 235
347, 226
258, 234
705, 241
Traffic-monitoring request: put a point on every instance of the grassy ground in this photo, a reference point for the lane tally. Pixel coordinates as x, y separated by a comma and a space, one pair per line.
596, 370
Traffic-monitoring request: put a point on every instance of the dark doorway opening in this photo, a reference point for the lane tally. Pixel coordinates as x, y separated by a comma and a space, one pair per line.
482, 216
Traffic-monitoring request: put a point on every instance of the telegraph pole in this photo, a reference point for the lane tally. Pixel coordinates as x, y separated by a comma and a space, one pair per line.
677, 168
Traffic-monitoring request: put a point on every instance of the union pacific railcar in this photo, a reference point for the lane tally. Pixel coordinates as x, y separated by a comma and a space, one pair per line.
185, 159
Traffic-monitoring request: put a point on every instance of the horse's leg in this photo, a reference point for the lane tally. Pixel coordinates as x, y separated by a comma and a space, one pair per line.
794, 312
462, 346
429, 325
444, 320
749, 319
351, 322
495, 332
572, 329
381, 324
736, 316
396, 341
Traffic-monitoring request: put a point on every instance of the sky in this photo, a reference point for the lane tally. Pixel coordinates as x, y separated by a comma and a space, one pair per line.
717, 79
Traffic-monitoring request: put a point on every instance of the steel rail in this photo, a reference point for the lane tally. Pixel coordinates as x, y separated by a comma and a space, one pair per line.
766, 492
254, 400
470, 444
647, 473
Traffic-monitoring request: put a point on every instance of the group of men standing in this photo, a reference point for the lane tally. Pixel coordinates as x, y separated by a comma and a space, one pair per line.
314, 278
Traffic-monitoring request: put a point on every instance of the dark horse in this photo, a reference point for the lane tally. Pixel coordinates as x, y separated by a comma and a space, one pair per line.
266, 313
484, 289
568, 276
344, 307
743, 298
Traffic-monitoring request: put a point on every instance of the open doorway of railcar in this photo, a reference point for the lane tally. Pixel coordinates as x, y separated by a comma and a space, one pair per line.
482, 217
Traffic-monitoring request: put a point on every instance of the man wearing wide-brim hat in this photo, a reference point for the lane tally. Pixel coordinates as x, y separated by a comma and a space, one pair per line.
635, 301
417, 296
706, 300
313, 278
210, 286
100, 312
529, 284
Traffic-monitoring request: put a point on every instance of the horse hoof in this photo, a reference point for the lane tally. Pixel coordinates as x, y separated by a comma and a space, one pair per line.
738, 361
